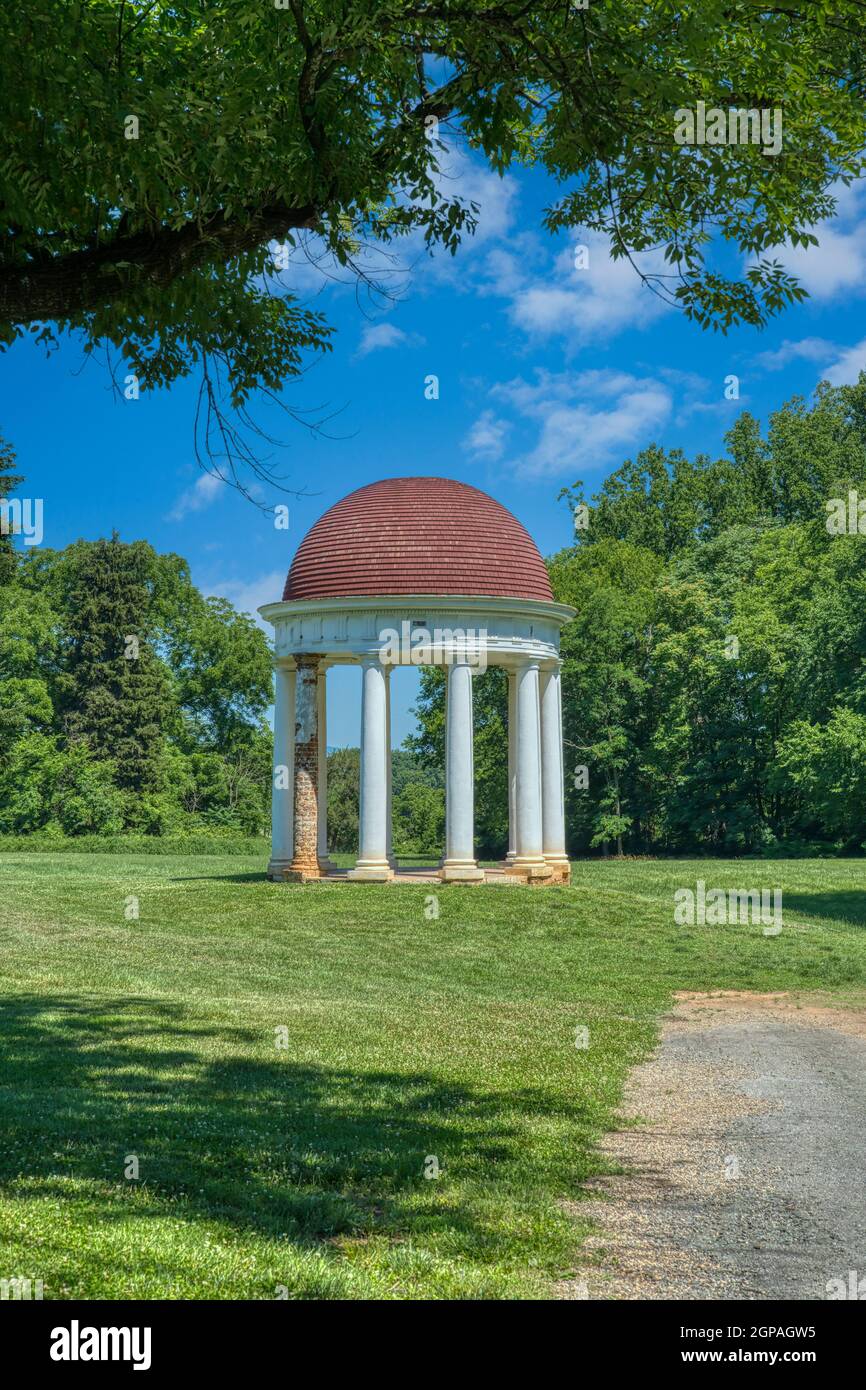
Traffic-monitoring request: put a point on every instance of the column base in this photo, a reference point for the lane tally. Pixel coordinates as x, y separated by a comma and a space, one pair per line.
461, 871
304, 871
371, 871
277, 869
531, 871
561, 866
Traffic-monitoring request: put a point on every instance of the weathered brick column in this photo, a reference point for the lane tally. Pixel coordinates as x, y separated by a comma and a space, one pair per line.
305, 862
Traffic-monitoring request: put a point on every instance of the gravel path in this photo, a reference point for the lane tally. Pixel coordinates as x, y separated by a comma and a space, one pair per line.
746, 1177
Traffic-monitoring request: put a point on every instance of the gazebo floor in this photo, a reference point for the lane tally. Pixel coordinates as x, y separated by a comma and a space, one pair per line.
426, 874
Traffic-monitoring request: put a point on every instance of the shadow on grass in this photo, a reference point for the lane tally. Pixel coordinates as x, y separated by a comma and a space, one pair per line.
843, 905
283, 1148
261, 875
258, 876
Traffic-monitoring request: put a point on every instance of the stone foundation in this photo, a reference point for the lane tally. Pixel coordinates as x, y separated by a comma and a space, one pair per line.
561, 870
534, 872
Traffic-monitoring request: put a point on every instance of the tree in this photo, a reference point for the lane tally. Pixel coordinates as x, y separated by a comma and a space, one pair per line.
490, 724
153, 153
826, 767
722, 677
715, 672
419, 820
606, 656
665, 502
8, 482
127, 700
28, 643
222, 667
407, 769
227, 788
344, 779
113, 691
43, 786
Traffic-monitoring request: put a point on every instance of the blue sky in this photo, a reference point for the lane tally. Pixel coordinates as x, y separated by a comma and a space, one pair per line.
547, 374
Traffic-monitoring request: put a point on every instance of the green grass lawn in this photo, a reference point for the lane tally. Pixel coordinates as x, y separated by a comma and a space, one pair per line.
406, 1039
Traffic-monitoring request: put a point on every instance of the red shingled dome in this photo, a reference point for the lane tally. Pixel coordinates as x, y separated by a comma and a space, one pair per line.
417, 536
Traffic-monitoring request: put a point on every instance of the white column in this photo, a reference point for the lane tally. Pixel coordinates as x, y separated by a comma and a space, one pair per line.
283, 779
552, 786
512, 764
322, 846
372, 860
389, 835
459, 863
529, 861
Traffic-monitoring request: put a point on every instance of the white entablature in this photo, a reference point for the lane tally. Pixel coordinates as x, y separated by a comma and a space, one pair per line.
346, 630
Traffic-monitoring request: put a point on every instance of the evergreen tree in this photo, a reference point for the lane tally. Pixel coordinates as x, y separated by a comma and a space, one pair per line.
114, 691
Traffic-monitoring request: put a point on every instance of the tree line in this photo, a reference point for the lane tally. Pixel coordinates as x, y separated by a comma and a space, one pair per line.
128, 701
714, 676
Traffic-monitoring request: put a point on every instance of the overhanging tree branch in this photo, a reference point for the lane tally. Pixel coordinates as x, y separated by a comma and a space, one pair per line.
62, 286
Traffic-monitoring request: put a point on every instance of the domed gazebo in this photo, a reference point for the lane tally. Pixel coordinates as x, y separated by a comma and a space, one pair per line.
417, 571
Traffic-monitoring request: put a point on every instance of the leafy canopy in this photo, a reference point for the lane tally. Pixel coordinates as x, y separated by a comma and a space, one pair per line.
152, 151
714, 679
100, 734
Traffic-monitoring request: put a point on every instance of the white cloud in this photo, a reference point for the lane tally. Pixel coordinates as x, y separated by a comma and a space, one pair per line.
585, 420
806, 349
841, 366
202, 493
503, 271
247, 595
689, 382
837, 265
464, 177
597, 300
722, 408
380, 335
385, 335
486, 438
312, 269
848, 365
495, 195
546, 309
